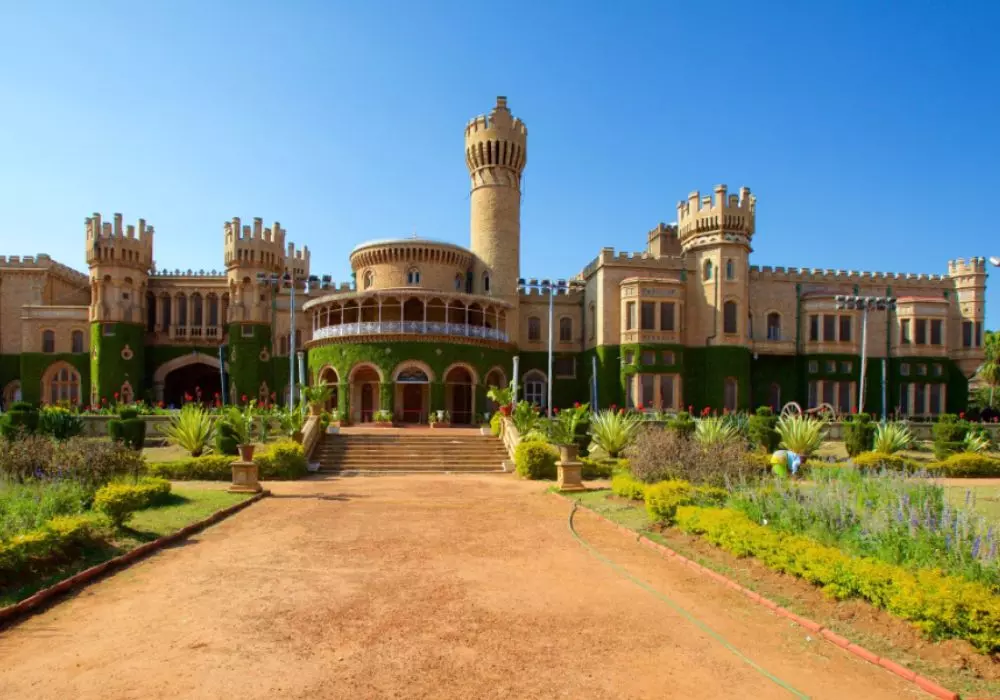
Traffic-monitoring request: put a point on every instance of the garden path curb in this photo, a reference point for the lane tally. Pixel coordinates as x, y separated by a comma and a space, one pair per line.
924, 683
11, 613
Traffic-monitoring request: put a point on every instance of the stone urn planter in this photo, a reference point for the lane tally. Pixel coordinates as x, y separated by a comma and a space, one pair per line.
315, 409
569, 472
246, 452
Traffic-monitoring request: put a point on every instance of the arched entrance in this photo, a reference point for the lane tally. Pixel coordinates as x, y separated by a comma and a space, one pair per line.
459, 395
11, 393
328, 376
412, 397
364, 381
496, 378
195, 375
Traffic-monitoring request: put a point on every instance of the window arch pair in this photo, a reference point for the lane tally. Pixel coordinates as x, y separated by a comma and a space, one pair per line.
708, 269
413, 276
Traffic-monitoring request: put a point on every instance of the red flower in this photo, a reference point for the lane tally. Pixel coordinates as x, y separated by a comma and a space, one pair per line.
243, 398
691, 409
613, 406
725, 411
104, 399
576, 404
621, 411
187, 396
116, 396
640, 408
854, 409
555, 411
274, 395
961, 414
216, 394
160, 404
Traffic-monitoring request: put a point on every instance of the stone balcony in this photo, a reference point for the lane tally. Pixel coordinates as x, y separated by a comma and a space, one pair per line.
363, 328
650, 336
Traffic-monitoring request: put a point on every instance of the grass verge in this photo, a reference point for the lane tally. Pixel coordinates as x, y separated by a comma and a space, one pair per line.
185, 506
857, 620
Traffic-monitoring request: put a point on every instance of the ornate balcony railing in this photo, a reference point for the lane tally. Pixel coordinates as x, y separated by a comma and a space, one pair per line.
409, 328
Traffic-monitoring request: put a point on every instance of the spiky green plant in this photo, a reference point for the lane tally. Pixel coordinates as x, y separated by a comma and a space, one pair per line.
891, 438
803, 435
501, 396
613, 431
715, 431
977, 441
191, 429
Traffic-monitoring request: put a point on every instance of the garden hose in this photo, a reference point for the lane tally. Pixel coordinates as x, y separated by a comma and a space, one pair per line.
684, 613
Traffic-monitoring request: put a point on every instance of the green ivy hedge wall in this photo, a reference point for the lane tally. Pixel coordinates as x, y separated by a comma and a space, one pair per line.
108, 369
246, 368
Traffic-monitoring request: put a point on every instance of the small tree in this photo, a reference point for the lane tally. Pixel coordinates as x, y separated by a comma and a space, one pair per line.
762, 431
859, 434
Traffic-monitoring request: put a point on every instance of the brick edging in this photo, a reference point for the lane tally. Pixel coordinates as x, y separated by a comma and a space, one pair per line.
13, 612
923, 682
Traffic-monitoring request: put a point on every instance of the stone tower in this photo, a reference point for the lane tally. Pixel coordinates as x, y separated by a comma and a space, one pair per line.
496, 153
250, 251
967, 315
120, 259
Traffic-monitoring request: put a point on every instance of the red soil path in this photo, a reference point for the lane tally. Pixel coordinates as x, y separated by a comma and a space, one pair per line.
414, 587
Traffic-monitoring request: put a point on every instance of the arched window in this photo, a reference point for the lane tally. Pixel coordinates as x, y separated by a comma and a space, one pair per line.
369, 279
63, 384
413, 276
150, 312
77, 341
535, 388
730, 270
774, 326
731, 393
534, 328
707, 270
197, 310
486, 282
565, 329
182, 311
458, 282
592, 331
729, 317
48, 341
283, 345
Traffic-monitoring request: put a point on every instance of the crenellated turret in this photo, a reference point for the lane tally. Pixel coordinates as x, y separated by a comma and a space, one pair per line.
120, 259
727, 217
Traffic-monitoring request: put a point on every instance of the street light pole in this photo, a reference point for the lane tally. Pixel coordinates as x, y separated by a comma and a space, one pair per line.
866, 304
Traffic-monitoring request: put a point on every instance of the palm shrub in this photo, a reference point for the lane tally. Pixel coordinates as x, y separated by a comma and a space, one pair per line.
316, 396
682, 424
714, 431
191, 429
761, 429
613, 431
891, 438
803, 435
859, 433
949, 433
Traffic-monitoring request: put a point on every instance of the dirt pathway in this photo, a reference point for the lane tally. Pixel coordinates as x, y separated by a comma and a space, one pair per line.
413, 587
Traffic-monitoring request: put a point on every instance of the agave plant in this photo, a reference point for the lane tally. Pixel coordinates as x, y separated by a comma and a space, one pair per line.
715, 431
891, 438
803, 435
977, 441
613, 431
190, 429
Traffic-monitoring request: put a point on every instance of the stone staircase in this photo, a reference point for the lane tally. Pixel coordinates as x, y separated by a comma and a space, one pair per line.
401, 451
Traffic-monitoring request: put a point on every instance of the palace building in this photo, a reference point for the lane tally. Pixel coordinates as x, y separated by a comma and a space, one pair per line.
426, 325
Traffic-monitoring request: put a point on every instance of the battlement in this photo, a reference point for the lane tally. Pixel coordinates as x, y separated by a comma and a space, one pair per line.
961, 267
254, 246
725, 213
497, 139
210, 274
115, 244
567, 295
802, 274
26, 262
662, 229
297, 260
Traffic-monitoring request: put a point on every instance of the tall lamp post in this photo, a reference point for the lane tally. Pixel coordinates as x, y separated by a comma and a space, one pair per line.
551, 288
290, 281
866, 304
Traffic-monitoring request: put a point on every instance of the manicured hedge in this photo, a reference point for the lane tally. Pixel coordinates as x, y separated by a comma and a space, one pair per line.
970, 464
54, 540
601, 468
535, 460
281, 460
119, 500
878, 460
939, 605
627, 486
663, 499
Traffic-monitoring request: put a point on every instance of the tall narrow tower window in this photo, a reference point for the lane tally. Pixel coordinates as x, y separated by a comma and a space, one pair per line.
77, 340
730, 270
486, 282
458, 282
707, 270
369, 279
729, 317
48, 341
413, 276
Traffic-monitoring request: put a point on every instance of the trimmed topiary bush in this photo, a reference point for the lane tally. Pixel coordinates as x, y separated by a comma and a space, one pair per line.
226, 442
859, 434
761, 429
879, 460
682, 424
207, 468
535, 460
284, 459
627, 486
602, 468
949, 433
118, 501
22, 417
969, 464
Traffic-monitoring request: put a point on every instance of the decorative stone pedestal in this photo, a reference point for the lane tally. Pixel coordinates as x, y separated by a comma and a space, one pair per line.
569, 472
245, 479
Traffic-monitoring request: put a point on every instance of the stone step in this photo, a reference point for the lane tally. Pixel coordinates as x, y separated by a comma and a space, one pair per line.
409, 452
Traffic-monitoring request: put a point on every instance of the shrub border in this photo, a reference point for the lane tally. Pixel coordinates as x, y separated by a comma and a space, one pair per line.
12, 613
924, 683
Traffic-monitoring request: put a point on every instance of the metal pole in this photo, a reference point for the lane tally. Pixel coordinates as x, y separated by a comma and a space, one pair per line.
222, 373
593, 383
302, 364
549, 383
885, 380
517, 362
864, 357
291, 347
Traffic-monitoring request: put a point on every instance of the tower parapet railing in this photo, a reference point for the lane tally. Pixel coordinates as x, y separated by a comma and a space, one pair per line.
461, 330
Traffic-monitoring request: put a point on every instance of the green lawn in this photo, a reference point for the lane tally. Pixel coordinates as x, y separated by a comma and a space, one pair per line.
187, 504
986, 498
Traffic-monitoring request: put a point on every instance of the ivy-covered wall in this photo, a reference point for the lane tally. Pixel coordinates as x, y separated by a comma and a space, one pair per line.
10, 369
610, 377
247, 366
705, 372
565, 390
783, 370
388, 355
109, 369
34, 364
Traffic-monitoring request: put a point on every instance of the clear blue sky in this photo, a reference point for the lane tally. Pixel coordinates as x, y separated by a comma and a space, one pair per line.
868, 130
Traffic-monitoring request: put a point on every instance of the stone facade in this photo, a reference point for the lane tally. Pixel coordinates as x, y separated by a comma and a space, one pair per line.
426, 326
